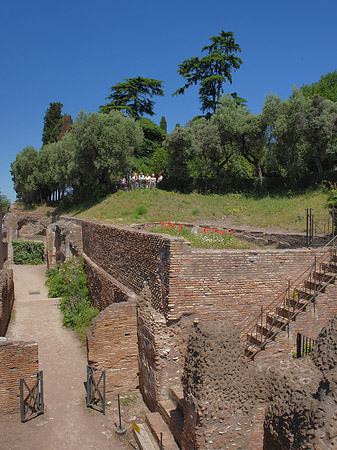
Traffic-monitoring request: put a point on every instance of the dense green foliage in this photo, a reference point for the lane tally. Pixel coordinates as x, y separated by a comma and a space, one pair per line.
28, 252
212, 70
85, 160
133, 96
326, 87
69, 282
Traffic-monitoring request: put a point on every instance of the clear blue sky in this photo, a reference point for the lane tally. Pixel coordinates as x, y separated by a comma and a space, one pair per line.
73, 51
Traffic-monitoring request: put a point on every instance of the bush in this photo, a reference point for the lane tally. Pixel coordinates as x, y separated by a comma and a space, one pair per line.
69, 281
28, 252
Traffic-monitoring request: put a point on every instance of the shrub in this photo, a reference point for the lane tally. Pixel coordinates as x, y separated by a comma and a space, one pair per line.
28, 252
141, 210
69, 281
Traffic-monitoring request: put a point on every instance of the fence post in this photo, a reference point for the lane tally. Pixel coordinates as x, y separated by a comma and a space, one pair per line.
298, 345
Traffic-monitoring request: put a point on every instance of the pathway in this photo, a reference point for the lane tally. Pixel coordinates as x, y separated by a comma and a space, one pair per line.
67, 423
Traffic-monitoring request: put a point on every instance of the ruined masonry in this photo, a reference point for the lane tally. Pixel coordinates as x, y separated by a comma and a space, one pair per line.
170, 324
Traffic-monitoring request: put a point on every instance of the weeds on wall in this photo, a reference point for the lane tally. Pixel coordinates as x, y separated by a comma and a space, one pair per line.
28, 252
69, 281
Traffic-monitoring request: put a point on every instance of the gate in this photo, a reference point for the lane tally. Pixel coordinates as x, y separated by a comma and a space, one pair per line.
320, 228
31, 398
304, 345
95, 388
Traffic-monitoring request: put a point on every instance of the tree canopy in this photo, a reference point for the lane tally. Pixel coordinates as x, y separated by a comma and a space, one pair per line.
211, 71
326, 87
133, 96
52, 123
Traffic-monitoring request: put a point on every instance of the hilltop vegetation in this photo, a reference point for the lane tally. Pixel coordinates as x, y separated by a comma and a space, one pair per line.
285, 210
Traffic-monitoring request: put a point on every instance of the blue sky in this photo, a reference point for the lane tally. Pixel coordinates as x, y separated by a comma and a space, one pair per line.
73, 51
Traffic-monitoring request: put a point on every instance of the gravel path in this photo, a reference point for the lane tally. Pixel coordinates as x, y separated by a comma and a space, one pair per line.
67, 423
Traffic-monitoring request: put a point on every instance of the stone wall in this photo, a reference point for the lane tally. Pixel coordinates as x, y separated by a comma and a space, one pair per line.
6, 298
112, 346
18, 360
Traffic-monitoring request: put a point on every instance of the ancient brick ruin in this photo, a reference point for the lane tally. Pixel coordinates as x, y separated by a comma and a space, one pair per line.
175, 313
170, 325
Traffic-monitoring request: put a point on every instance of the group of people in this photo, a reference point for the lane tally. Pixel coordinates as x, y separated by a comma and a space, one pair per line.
140, 181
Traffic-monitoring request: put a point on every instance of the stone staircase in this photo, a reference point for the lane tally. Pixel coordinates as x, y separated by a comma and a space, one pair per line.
278, 315
166, 425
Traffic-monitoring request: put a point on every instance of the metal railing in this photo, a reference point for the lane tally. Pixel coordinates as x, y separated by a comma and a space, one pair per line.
277, 315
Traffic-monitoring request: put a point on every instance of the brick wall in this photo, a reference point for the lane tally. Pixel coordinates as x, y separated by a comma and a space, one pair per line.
104, 289
231, 284
132, 257
112, 346
18, 360
6, 298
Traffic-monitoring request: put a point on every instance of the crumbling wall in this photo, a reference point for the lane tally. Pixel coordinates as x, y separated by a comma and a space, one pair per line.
64, 240
18, 360
112, 346
6, 298
302, 412
24, 226
222, 391
161, 351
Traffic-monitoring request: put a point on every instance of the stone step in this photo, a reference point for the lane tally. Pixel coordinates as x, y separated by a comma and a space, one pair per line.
177, 396
173, 416
157, 426
144, 438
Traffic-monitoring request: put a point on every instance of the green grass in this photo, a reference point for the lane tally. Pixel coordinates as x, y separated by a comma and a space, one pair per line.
285, 210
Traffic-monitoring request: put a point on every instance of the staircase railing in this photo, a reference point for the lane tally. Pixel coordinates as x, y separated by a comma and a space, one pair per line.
277, 315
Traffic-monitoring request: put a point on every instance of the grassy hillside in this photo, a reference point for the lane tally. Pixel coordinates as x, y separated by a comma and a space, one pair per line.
279, 210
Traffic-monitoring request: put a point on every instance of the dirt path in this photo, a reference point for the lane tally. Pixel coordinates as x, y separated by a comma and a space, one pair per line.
67, 423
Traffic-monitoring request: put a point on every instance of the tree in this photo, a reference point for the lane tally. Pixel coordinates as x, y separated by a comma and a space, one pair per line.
163, 124
326, 87
211, 71
4, 203
153, 137
104, 144
52, 123
133, 96
179, 146
25, 174
318, 126
246, 131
